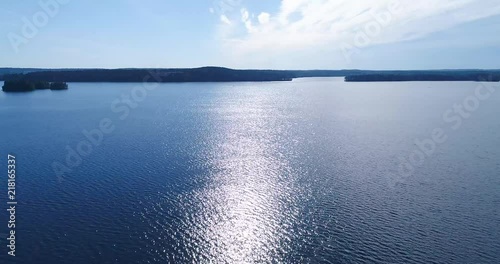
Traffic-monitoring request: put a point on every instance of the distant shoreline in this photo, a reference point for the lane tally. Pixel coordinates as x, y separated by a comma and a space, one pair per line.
218, 74
411, 76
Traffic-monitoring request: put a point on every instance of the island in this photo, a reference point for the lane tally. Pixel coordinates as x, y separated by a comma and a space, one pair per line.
433, 76
29, 86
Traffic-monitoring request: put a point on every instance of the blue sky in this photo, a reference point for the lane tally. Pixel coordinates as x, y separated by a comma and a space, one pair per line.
272, 34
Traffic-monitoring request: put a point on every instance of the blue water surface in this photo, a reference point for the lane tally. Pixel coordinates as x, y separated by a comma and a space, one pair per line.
308, 171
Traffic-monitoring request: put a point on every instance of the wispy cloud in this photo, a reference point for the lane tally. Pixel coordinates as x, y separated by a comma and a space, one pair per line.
264, 18
224, 19
310, 24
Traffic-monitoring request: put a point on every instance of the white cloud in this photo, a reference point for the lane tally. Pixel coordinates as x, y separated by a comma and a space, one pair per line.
245, 18
244, 15
225, 20
249, 26
264, 18
312, 24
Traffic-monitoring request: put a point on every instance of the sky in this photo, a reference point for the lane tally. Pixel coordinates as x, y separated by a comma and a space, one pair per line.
244, 34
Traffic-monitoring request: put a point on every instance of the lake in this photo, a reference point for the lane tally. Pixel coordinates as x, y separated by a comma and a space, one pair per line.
310, 171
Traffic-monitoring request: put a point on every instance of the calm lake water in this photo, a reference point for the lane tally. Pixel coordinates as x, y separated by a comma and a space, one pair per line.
307, 171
